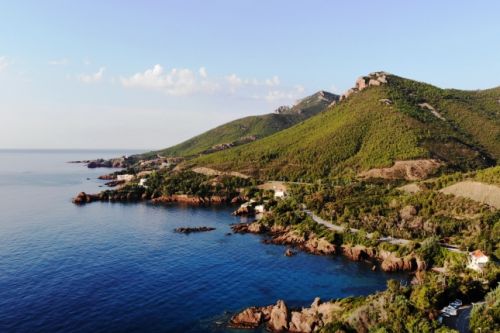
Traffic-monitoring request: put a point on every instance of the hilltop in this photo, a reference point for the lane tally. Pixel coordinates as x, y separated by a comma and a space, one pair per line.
248, 129
384, 118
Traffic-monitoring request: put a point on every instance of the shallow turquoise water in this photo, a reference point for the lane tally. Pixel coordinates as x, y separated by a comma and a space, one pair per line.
120, 267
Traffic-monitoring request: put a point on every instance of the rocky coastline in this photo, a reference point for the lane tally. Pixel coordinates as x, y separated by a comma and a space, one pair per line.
280, 318
311, 243
121, 162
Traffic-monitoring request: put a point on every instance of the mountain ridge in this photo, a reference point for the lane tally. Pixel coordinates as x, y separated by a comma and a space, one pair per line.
247, 129
382, 119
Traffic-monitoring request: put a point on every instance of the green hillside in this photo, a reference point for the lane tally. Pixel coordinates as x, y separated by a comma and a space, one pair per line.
373, 128
249, 129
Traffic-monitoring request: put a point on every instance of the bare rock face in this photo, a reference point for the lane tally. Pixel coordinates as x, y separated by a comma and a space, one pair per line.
385, 101
358, 252
319, 246
248, 318
407, 212
256, 228
373, 79
304, 321
391, 263
83, 198
361, 83
279, 317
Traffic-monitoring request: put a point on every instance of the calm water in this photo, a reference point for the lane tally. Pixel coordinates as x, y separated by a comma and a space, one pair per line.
119, 267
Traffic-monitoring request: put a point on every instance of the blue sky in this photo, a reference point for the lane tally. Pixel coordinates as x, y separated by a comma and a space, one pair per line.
148, 74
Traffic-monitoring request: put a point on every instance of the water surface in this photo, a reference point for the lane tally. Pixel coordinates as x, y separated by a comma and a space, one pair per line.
117, 267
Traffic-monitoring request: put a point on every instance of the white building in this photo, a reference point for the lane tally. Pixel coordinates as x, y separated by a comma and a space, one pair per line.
142, 182
477, 260
259, 209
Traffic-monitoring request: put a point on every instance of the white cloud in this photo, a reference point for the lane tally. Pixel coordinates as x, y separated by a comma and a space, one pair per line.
185, 81
285, 95
203, 72
59, 62
174, 82
272, 82
91, 78
4, 63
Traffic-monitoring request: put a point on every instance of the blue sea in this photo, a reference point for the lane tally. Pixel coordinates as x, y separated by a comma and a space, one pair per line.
113, 267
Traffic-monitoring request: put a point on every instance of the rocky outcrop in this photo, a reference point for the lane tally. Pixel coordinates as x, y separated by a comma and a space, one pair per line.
285, 236
372, 79
358, 252
244, 211
319, 246
188, 230
279, 318
83, 198
392, 263
251, 317
254, 228
110, 176
429, 107
407, 212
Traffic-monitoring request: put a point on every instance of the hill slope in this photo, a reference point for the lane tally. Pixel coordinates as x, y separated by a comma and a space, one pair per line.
249, 129
383, 119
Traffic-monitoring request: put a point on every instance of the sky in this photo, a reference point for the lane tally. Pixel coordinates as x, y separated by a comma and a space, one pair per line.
149, 74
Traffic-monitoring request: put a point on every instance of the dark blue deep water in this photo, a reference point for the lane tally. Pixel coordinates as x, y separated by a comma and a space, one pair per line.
120, 268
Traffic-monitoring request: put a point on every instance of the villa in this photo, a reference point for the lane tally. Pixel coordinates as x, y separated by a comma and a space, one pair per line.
477, 260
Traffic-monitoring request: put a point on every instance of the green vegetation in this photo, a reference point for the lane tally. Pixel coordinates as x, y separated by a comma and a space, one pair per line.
362, 133
186, 182
248, 129
411, 308
381, 207
485, 317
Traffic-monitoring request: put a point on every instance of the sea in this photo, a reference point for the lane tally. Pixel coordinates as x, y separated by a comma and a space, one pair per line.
120, 267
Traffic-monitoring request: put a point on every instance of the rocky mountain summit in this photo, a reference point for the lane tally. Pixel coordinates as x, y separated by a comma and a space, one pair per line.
363, 82
309, 104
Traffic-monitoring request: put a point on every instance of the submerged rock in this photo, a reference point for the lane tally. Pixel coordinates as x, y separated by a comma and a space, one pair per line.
188, 230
